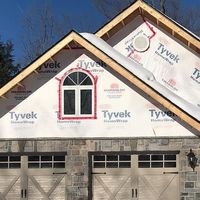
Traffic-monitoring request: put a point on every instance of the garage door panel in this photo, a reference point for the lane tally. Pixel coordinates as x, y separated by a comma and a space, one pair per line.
99, 193
158, 187
46, 187
33, 192
59, 192
124, 194
112, 187
10, 187
14, 192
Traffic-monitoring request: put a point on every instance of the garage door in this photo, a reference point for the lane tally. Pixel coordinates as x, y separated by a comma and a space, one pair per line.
32, 177
135, 177
10, 177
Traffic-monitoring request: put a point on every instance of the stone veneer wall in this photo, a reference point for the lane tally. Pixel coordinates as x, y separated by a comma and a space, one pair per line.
77, 159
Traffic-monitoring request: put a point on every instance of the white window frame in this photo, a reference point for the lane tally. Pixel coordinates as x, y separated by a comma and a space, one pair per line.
77, 89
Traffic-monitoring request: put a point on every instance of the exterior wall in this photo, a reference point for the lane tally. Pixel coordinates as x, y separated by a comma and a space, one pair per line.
77, 162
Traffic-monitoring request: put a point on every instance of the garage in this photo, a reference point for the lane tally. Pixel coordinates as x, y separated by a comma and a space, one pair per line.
134, 175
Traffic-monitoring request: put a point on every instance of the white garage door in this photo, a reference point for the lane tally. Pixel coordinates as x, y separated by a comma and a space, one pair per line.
34, 177
135, 177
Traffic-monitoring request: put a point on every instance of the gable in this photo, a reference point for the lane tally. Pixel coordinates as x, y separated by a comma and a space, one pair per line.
157, 18
120, 111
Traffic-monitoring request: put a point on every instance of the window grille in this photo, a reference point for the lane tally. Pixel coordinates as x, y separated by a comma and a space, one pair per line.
111, 161
10, 162
157, 161
77, 93
46, 161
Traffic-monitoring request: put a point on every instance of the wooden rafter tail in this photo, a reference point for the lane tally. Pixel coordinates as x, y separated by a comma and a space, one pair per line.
52, 59
19, 84
157, 22
35, 71
141, 11
123, 23
76, 43
107, 33
68, 45
4, 97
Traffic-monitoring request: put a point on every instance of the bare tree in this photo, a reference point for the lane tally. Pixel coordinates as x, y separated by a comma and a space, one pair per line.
110, 8
41, 29
172, 8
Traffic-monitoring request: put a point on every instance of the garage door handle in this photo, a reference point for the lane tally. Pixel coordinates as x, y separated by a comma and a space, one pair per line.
22, 194
136, 193
170, 172
133, 193
98, 172
25, 193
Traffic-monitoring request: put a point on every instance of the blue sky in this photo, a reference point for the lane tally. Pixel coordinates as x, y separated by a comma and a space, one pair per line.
12, 11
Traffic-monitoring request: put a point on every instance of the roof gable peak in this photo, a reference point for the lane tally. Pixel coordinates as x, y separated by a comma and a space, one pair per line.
141, 8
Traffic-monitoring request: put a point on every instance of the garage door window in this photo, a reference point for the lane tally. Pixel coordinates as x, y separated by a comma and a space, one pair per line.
157, 161
111, 161
12, 162
47, 161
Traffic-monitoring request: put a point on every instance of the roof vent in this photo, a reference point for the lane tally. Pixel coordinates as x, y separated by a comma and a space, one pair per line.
141, 43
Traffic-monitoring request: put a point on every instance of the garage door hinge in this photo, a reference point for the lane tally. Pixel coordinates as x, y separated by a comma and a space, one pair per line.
98, 172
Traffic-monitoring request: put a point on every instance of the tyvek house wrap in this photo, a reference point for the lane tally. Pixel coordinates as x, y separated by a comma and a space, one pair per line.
145, 75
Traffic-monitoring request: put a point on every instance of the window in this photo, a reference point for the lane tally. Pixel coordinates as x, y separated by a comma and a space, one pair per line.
157, 161
11, 162
111, 161
46, 161
78, 99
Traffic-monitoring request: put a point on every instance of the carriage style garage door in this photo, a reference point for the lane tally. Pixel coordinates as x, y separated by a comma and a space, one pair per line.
33, 177
141, 176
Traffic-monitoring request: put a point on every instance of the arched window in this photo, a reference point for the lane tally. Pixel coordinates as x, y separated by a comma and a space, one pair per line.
78, 95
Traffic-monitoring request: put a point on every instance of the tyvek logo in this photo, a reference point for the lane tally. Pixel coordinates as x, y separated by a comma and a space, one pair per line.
51, 67
116, 116
167, 55
171, 83
92, 66
157, 115
196, 75
23, 117
21, 93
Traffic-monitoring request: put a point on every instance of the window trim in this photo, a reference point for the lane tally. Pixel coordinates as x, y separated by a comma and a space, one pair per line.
78, 115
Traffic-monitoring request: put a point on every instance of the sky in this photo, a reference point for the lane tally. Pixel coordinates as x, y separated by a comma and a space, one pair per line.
12, 12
